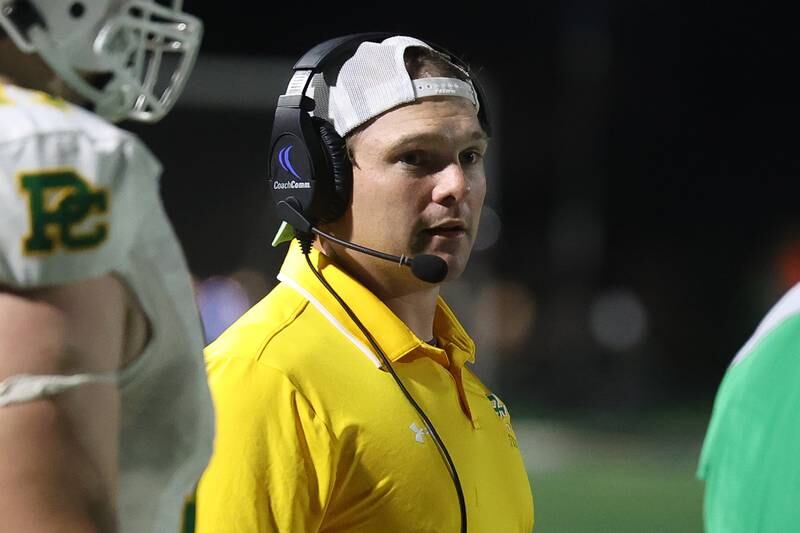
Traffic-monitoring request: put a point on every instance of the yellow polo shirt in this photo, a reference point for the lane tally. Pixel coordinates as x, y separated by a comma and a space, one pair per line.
313, 435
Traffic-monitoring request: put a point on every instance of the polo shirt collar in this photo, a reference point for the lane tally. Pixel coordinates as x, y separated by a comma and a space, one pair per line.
392, 335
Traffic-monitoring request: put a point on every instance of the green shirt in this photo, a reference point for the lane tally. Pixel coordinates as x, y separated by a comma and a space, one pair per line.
751, 454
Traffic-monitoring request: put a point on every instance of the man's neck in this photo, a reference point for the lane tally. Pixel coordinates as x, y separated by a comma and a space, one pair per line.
19, 68
412, 300
416, 310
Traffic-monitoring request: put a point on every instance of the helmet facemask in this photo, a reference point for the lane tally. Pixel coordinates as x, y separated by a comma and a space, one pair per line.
145, 48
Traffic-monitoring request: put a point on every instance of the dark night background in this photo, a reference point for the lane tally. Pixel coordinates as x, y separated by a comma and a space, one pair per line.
647, 149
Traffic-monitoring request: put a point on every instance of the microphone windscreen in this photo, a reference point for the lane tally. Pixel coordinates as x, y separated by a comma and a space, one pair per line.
430, 268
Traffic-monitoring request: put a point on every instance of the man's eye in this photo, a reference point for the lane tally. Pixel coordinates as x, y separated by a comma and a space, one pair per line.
415, 158
471, 158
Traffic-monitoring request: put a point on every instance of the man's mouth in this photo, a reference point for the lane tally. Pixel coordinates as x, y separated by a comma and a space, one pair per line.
448, 229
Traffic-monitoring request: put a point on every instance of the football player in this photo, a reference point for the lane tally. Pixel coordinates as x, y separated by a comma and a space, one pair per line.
105, 415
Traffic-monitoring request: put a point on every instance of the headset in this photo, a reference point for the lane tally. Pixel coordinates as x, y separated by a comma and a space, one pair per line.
315, 186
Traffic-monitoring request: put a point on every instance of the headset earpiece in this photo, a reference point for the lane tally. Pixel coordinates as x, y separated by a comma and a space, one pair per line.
341, 170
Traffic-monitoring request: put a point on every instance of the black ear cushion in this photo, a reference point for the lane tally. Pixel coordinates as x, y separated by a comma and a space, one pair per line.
341, 170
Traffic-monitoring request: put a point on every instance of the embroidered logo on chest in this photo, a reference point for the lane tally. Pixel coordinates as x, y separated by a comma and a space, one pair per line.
501, 411
498, 406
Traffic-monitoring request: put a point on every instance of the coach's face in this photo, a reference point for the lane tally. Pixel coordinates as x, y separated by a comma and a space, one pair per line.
419, 182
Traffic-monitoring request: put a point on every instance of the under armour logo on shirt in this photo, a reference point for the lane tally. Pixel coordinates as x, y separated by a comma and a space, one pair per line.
419, 433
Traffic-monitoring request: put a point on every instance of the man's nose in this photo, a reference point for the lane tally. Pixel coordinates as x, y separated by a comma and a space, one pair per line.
452, 185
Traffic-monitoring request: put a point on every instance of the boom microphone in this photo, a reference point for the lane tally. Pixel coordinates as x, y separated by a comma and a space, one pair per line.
427, 267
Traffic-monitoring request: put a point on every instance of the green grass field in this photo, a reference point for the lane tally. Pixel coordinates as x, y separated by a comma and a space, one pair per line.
602, 481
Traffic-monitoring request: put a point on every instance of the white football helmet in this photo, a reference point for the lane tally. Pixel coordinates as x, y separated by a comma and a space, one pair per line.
147, 49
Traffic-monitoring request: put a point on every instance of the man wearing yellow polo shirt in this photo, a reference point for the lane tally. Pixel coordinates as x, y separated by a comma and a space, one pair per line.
344, 399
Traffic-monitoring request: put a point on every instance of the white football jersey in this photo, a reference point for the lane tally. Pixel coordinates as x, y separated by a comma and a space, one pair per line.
79, 198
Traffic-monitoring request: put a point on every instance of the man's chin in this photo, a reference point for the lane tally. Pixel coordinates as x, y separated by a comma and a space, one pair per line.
455, 264
454, 251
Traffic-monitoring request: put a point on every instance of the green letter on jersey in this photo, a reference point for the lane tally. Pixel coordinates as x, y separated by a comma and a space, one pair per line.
60, 204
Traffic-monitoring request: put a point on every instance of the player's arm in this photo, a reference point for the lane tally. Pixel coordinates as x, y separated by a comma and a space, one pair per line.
59, 451
273, 466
